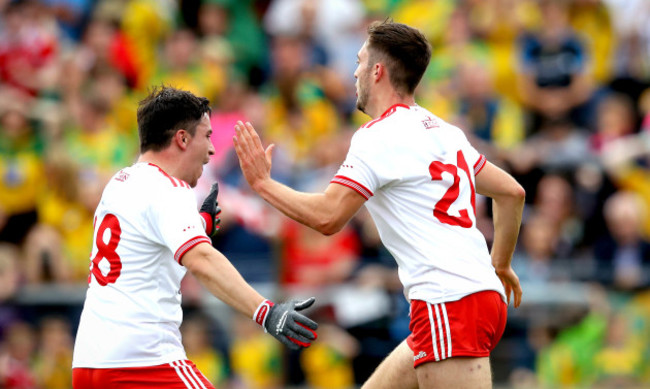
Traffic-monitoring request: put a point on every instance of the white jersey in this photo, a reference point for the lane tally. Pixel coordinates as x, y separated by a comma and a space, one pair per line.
144, 224
418, 174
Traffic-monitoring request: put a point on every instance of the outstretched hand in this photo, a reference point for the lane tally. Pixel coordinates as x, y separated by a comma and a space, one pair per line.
254, 160
285, 323
511, 284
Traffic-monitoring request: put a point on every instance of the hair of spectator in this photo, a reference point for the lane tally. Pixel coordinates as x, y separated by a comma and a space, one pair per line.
404, 50
165, 111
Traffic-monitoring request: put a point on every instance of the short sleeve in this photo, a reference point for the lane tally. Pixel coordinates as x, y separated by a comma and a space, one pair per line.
473, 157
362, 170
176, 222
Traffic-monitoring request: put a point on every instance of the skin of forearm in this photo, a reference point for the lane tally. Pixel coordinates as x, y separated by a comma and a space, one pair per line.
221, 278
310, 209
507, 219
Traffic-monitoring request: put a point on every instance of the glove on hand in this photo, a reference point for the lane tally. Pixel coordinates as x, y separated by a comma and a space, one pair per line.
284, 323
210, 211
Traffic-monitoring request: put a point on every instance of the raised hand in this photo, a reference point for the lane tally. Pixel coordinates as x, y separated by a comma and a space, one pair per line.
254, 160
210, 211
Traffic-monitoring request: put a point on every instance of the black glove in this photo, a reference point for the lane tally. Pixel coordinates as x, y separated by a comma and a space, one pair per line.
210, 211
284, 323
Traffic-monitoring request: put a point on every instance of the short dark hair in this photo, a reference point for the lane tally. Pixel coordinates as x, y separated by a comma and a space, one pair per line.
404, 49
166, 110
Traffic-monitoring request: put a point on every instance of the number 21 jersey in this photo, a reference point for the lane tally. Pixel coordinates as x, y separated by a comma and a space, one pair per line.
418, 174
144, 224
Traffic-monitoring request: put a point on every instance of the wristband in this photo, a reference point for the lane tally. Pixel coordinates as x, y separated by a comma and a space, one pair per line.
207, 222
262, 312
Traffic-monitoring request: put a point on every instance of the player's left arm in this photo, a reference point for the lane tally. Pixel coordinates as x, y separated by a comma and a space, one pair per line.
221, 278
508, 204
282, 321
326, 212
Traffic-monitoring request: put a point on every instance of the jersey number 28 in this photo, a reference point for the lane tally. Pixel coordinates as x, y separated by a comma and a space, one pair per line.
107, 251
440, 211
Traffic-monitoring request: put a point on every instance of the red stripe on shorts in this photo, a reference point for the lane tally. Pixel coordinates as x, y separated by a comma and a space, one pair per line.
469, 327
181, 374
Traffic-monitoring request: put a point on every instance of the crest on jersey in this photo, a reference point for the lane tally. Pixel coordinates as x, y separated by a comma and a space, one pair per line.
430, 123
122, 176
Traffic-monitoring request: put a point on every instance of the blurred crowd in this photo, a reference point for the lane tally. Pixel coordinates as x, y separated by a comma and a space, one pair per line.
557, 92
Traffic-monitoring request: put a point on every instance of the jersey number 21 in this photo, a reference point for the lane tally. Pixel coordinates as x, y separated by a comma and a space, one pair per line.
440, 211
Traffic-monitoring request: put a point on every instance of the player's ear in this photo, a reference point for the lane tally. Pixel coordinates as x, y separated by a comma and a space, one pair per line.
181, 137
378, 71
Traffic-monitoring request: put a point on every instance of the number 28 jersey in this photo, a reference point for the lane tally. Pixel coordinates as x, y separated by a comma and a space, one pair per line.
418, 174
144, 224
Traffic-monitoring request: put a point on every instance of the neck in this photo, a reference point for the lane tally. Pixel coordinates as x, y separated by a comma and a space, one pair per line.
387, 99
163, 160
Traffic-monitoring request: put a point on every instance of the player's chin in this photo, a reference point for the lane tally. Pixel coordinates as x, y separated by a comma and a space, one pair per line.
361, 106
196, 177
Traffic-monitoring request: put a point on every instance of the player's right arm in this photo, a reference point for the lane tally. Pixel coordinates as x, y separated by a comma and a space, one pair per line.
325, 212
507, 204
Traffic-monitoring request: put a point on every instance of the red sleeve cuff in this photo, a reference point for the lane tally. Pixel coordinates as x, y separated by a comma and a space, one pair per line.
480, 164
362, 190
208, 222
185, 247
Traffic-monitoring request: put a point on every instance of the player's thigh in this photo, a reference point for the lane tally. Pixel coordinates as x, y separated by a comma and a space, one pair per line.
396, 371
455, 373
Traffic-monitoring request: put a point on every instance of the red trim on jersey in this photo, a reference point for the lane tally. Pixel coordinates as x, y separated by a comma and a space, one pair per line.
181, 374
480, 164
362, 190
175, 181
178, 256
391, 110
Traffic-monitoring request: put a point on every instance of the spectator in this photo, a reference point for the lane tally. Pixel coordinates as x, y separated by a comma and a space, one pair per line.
558, 146
9, 277
54, 354
626, 164
201, 349
57, 247
256, 359
16, 357
28, 45
538, 252
593, 24
553, 76
95, 145
300, 115
494, 123
182, 66
334, 24
21, 169
623, 255
555, 199
328, 365
615, 118
631, 53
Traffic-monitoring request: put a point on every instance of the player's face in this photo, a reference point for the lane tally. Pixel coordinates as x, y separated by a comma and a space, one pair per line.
201, 149
362, 74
